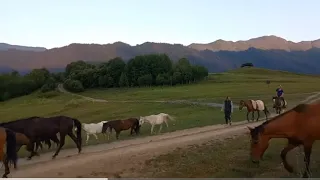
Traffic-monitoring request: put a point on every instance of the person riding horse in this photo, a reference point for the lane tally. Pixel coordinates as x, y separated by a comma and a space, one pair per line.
280, 93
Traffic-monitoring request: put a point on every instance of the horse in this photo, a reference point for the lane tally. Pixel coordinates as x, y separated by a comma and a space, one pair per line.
8, 137
120, 125
36, 128
158, 119
47, 141
253, 106
93, 128
278, 104
299, 125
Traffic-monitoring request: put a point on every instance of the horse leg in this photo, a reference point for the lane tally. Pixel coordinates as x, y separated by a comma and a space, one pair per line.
258, 115
307, 153
291, 144
265, 113
152, 126
117, 134
160, 128
6, 168
95, 136
55, 140
252, 116
165, 121
74, 139
30, 148
62, 141
87, 138
248, 116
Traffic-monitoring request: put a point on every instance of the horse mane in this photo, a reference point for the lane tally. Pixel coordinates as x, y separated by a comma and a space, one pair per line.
19, 120
299, 109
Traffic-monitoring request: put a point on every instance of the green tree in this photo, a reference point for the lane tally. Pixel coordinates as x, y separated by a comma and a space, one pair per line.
123, 81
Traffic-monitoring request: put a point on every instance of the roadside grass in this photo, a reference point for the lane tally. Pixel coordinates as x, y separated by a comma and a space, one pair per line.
228, 159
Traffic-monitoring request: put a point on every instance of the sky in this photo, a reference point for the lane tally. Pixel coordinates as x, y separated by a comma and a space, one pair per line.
56, 23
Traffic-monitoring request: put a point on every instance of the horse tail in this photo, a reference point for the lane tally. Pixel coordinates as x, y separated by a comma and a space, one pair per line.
11, 139
266, 109
170, 117
137, 124
77, 123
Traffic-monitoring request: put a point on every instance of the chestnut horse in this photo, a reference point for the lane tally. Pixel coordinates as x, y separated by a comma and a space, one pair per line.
8, 137
120, 125
253, 106
299, 125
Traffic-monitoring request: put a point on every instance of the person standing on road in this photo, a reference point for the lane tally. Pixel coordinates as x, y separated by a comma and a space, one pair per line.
227, 107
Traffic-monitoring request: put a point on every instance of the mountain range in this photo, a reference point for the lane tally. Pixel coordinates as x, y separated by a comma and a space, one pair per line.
267, 52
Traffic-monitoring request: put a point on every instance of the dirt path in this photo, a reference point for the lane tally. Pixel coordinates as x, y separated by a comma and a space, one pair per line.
123, 158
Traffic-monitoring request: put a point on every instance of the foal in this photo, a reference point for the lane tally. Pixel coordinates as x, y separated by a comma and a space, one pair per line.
120, 125
93, 128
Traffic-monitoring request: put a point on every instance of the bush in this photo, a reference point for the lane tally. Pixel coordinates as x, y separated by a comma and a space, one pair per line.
73, 85
48, 94
48, 87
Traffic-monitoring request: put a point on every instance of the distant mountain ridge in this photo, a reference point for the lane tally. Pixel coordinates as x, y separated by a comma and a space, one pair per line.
268, 52
264, 43
5, 47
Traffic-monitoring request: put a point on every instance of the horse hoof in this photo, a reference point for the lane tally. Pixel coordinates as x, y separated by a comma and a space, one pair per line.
53, 157
4, 176
29, 158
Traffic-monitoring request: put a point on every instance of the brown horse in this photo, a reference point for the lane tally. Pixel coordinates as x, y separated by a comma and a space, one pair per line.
279, 104
8, 137
299, 125
121, 125
253, 106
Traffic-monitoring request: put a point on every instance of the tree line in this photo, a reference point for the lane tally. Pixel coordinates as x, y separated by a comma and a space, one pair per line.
140, 71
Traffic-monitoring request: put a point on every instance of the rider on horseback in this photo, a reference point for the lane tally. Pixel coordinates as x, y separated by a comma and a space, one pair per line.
280, 93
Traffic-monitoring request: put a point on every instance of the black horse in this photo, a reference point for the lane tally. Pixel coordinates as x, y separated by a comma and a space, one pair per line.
39, 128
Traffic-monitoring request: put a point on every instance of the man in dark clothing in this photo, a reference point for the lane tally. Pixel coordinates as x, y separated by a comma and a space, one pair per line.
228, 110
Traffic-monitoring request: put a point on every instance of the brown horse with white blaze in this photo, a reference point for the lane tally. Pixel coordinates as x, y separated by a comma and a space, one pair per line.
299, 125
253, 106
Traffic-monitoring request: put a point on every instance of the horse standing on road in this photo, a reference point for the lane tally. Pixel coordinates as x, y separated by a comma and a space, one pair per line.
121, 125
158, 119
253, 106
8, 138
279, 104
37, 128
299, 125
92, 129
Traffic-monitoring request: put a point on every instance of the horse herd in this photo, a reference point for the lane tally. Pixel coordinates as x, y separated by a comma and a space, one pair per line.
34, 131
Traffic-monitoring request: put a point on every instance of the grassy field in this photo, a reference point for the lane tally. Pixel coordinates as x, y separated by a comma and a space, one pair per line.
228, 159
239, 84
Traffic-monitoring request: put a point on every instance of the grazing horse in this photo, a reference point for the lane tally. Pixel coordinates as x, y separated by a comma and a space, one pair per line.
278, 104
120, 125
8, 137
158, 119
36, 129
299, 125
93, 128
253, 106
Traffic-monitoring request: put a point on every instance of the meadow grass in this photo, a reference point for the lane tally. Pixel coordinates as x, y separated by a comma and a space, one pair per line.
228, 159
239, 84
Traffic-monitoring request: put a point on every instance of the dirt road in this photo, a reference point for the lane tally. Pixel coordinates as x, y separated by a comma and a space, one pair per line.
122, 158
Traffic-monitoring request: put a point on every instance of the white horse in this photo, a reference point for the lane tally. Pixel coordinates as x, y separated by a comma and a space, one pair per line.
157, 119
93, 129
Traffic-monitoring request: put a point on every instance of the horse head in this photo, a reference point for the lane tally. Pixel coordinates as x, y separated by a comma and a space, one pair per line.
141, 120
259, 143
